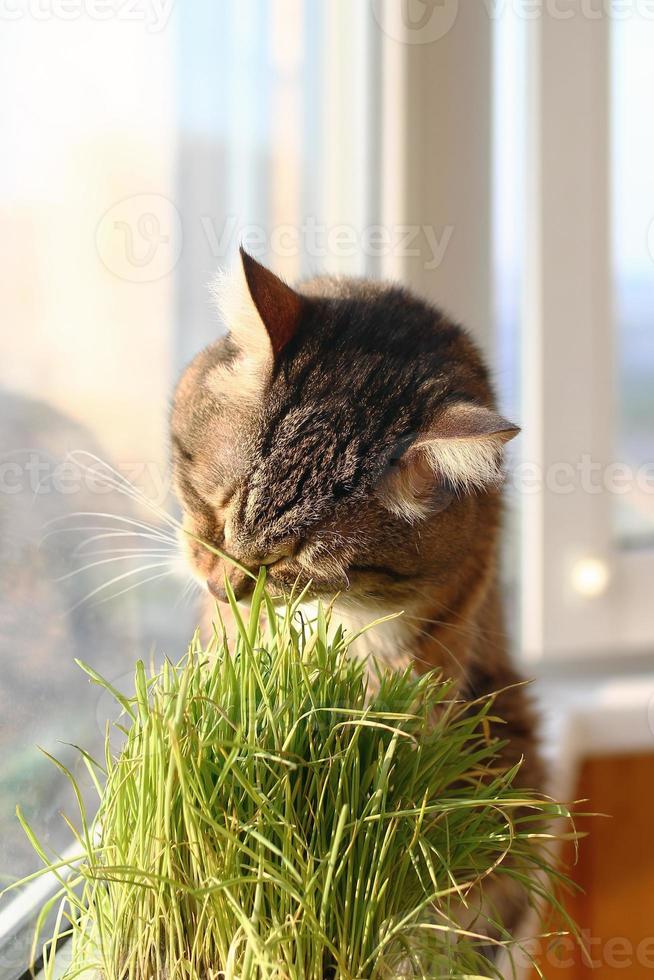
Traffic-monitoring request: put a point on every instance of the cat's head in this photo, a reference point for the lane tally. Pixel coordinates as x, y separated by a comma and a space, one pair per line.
343, 433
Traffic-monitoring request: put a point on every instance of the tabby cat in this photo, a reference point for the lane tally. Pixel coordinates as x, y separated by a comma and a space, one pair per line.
345, 433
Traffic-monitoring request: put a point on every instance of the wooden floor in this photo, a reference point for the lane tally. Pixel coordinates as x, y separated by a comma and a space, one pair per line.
616, 871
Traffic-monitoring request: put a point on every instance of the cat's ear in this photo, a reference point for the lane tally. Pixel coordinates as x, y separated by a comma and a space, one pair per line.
279, 306
260, 310
461, 451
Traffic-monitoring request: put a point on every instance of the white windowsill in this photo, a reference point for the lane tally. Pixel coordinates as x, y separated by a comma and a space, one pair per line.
607, 714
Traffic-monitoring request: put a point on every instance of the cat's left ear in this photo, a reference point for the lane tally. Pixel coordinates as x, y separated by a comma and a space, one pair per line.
260, 310
462, 450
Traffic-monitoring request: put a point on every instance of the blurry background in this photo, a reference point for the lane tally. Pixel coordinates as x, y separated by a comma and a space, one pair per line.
497, 157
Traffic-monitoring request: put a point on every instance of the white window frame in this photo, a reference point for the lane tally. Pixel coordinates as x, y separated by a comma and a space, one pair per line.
569, 329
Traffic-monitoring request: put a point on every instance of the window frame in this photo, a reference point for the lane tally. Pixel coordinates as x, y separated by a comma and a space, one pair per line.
17, 917
570, 400
567, 324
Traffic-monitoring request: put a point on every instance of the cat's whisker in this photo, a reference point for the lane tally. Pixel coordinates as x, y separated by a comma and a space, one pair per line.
145, 502
348, 542
129, 588
130, 521
186, 596
109, 532
115, 480
453, 657
108, 474
108, 561
481, 632
162, 540
466, 629
122, 577
431, 597
159, 543
337, 569
131, 552
106, 480
318, 552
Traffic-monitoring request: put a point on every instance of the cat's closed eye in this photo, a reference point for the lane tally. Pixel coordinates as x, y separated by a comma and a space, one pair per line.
183, 452
340, 490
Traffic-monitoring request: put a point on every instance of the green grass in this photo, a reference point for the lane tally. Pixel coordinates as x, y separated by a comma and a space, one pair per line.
270, 816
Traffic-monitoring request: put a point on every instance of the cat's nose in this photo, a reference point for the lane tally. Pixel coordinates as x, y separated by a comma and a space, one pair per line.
242, 585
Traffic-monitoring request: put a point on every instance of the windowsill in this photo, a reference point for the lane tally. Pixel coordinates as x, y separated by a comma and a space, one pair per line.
62, 964
596, 713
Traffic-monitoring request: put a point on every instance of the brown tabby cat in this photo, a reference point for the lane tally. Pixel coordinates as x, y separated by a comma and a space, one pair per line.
345, 433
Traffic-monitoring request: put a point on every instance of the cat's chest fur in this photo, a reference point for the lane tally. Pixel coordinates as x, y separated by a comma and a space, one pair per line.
387, 643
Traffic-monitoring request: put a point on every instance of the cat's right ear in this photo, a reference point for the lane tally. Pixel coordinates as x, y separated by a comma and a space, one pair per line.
461, 453
260, 310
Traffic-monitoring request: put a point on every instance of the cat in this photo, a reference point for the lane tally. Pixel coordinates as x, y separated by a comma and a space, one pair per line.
345, 434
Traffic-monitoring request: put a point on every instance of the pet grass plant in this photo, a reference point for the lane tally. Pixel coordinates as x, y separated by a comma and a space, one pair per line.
273, 814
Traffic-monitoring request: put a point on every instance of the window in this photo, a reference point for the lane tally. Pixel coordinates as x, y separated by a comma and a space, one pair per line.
141, 145
495, 157
586, 411
87, 351
632, 157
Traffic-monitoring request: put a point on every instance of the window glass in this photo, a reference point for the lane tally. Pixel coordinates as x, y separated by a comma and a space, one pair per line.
508, 210
91, 239
633, 266
139, 148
